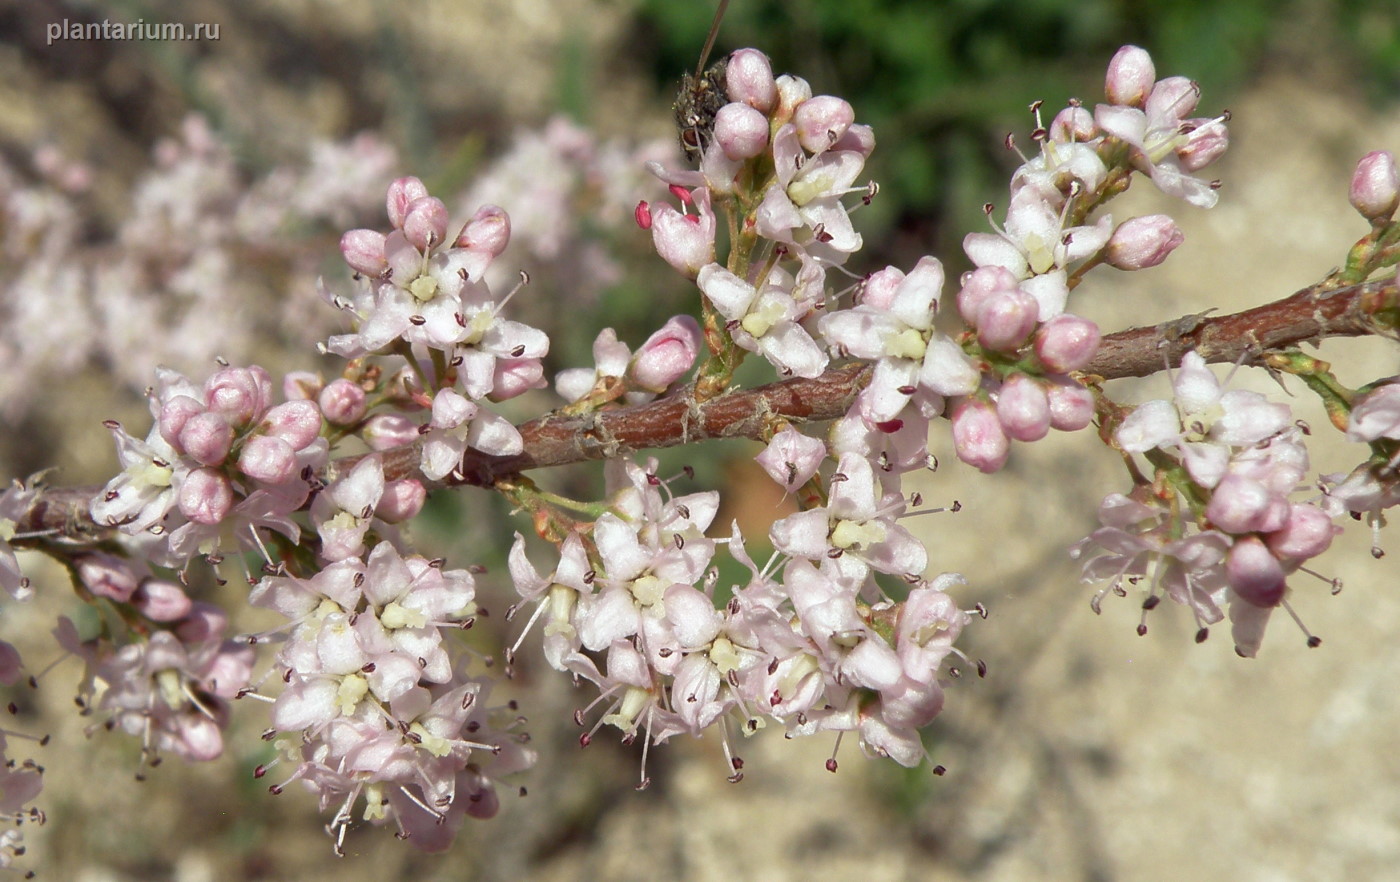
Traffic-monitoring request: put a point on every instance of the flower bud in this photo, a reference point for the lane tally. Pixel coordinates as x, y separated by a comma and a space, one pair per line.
879, 288
401, 500
514, 376
162, 601
364, 252
1066, 343
488, 231
205, 496
1023, 408
425, 225
859, 138
1172, 98
175, 412
667, 355
1131, 76
1254, 573
1143, 242
978, 436
206, 438
1243, 505
792, 458
821, 121
299, 385
741, 131
402, 193
1073, 124
685, 241
386, 431
1206, 144
268, 459
107, 576
1307, 533
979, 285
1375, 186
203, 623
296, 422
240, 395
748, 78
343, 402
1071, 405
792, 91
1006, 320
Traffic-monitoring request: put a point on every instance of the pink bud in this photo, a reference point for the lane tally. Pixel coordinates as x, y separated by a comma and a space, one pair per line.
1066, 343
792, 458
1143, 242
1006, 319
174, 413
978, 436
792, 91
299, 385
1071, 405
487, 232
205, 497
268, 459
1243, 505
386, 431
667, 355
749, 78
821, 121
206, 438
859, 138
685, 241
642, 214
240, 395
162, 601
343, 402
1254, 573
1375, 186
402, 192
400, 501
741, 131
1074, 123
1307, 533
1131, 75
425, 225
1023, 408
203, 623
981, 284
296, 422
1206, 144
1172, 98
514, 376
880, 287
107, 576
364, 252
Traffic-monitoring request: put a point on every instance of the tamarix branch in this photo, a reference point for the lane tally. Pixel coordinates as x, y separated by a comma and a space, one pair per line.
847, 626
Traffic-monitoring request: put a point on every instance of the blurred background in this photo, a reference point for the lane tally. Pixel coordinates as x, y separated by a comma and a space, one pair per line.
169, 202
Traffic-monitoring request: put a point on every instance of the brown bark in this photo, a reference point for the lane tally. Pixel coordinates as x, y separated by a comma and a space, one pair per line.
1307, 316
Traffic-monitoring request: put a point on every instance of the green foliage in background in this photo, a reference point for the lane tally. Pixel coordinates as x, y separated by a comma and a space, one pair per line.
943, 83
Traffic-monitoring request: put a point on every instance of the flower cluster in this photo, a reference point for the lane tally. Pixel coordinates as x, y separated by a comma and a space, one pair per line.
375, 704
810, 641
1223, 528
219, 463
